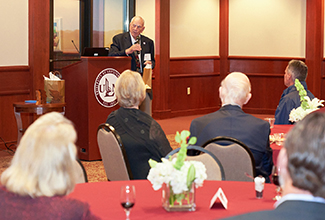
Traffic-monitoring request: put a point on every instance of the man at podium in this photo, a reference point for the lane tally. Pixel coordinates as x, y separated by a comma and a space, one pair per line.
140, 48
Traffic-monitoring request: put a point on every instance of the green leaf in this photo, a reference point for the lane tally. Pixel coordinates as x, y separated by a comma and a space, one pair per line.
152, 163
302, 93
185, 134
181, 156
192, 140
180, 197
190, 176
178, 137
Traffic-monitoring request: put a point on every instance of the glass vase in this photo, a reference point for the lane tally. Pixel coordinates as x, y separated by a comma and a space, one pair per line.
184, 201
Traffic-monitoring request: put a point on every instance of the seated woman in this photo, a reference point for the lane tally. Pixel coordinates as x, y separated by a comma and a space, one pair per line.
42, 173
141, 135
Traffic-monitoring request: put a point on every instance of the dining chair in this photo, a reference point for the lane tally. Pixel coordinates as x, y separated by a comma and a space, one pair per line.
81, 174
236, 158
212, 164
113, 154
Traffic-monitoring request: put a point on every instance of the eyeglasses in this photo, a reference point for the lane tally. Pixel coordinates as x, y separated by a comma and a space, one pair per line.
136, 26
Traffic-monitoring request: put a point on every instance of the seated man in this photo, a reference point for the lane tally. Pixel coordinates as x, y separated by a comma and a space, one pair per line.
301, 165
290, 98
231, 121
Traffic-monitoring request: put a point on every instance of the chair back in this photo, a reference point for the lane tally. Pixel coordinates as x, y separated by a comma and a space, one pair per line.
236, 158
80, 174
113, 154
213, 166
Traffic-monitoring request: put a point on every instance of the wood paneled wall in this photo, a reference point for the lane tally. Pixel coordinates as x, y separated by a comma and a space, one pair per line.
15, 85
173, 76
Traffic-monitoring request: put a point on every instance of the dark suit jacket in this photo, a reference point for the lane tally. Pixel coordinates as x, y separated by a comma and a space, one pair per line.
121, 42
289, 210
231, 121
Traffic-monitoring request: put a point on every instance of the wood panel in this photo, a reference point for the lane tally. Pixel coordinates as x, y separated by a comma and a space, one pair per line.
314, 43
201, 76
161, 104
266, 76
15, 83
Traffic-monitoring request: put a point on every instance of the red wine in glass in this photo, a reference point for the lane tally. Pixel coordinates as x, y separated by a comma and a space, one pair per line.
127, 198
127, 205
275, 179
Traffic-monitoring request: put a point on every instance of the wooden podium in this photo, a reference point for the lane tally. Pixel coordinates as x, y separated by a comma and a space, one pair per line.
82, 107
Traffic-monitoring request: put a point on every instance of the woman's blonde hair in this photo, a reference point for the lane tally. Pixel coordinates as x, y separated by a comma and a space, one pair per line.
43, 162
130, 89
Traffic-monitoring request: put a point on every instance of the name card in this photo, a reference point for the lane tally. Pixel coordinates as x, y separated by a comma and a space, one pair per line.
221, 197
147, 56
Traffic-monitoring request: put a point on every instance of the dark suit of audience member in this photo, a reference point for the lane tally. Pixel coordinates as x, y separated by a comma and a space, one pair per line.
290, 98
230, 120
125, 45
141, 135
301, 166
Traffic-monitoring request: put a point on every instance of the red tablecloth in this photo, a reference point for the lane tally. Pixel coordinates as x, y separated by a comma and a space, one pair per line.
276, 148
103, 198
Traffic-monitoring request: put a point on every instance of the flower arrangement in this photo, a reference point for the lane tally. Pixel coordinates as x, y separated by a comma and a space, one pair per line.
177, 173
307, 106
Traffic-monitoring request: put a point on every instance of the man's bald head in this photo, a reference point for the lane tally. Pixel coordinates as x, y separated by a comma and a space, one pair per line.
235, 89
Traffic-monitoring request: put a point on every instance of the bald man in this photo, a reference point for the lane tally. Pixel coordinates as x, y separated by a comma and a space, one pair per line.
134, 44
142, 51
231, 121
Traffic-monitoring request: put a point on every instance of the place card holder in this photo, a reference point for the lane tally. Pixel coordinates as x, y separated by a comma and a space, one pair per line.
220, 195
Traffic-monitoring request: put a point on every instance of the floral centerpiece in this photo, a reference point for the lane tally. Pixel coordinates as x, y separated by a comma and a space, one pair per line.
307, 106
178, 177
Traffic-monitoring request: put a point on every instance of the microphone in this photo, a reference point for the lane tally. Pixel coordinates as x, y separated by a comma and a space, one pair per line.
75, 46
137, 42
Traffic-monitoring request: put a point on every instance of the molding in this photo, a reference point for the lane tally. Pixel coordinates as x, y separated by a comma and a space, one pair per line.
15, 92
193, 75
188, 112
265, 58
195, 58
268, 111
161, 114
14, 69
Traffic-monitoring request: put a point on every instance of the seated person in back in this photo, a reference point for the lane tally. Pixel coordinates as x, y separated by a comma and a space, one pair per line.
301, 166
231, 121
42, 173
141, 135
290, 98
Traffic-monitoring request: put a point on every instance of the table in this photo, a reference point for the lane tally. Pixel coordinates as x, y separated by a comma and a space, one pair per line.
276, 148
103, 198
40, 109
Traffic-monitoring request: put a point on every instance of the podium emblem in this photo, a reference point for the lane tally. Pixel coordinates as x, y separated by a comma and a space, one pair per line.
104, 87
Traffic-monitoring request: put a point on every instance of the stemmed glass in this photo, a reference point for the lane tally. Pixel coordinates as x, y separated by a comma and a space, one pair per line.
127, 198
275, 180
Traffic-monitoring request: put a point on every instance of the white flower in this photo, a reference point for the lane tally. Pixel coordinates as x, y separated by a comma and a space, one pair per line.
299, 113
165, 172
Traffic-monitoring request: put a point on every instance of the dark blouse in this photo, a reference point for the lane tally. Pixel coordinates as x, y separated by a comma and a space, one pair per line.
142, 137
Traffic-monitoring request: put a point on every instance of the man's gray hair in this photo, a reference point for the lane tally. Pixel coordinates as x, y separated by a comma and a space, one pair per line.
235, 88
305, 146
298, 70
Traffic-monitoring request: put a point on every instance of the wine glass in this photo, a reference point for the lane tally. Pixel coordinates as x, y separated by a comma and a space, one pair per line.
275, 180
127, 198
